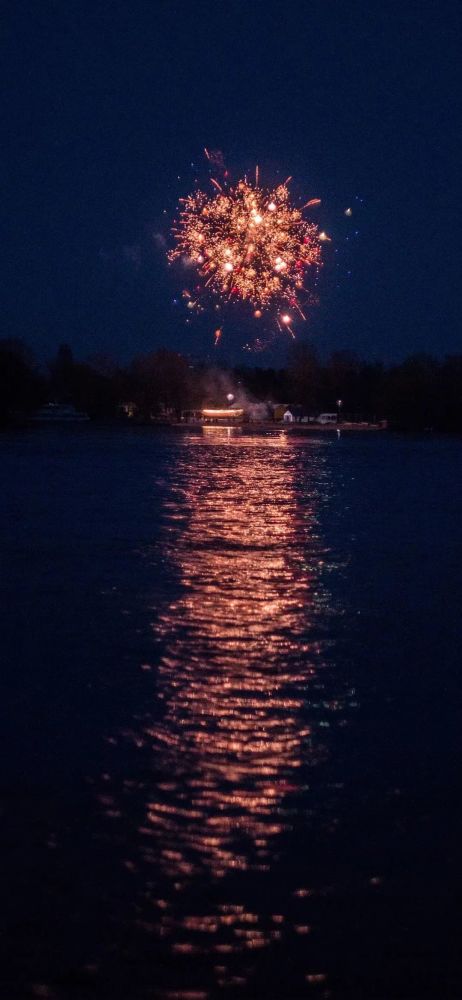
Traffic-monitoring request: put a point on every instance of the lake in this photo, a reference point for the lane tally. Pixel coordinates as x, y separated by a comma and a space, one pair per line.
231, 715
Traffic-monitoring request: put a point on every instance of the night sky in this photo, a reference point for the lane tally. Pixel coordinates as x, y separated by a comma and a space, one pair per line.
110, 104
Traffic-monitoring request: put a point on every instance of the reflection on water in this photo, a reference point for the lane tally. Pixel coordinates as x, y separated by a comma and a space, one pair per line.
237, 665
241, 682
220, 432
185, 813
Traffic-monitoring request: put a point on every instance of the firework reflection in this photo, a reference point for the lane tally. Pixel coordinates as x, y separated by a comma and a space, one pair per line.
237, 662
245, 697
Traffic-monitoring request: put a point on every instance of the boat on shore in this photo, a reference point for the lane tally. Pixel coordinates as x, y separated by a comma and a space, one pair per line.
53, 413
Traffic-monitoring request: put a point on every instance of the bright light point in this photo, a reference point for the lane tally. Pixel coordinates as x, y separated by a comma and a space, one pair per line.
258, 219
200, 259
257, 313
230, 397
348, 211
271, 207
323, 237
286, 318
228, 267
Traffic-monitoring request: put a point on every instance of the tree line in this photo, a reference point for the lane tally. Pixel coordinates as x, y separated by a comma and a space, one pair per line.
419, 393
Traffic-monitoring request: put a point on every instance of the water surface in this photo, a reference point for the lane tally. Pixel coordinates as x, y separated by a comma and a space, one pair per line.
232, 750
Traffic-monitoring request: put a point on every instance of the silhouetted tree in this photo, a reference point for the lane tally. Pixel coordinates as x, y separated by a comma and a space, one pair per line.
161, 382
412, 394
417, 394
22, 388
62, 375
450, 395
304, 377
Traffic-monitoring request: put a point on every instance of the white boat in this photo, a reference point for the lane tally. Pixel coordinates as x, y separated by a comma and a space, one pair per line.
52, 413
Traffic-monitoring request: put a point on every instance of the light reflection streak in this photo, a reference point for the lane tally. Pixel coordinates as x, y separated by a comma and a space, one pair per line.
241, 684
237, 663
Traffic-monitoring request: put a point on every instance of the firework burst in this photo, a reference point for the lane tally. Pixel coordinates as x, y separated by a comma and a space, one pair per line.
249, 244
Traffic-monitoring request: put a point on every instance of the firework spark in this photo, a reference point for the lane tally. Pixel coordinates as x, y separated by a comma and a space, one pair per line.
249, 244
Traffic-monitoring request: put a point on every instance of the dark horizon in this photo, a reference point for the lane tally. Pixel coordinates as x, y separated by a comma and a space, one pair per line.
420, 394
109, 106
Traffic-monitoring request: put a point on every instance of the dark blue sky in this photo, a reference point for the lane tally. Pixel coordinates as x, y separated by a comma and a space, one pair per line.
109, 103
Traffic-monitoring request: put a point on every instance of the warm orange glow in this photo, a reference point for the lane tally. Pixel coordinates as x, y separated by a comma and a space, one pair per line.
232, 683
223, 414
241, 714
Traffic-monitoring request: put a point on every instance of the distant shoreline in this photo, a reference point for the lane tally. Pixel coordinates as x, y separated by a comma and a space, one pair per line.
286, 428
294, 430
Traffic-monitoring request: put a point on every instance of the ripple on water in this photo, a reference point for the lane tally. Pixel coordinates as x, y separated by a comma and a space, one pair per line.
247, 696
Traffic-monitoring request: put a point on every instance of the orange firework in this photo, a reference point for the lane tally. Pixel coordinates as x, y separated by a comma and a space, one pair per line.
249, 244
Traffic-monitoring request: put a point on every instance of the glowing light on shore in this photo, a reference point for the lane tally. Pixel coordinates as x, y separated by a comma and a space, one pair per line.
222, 414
